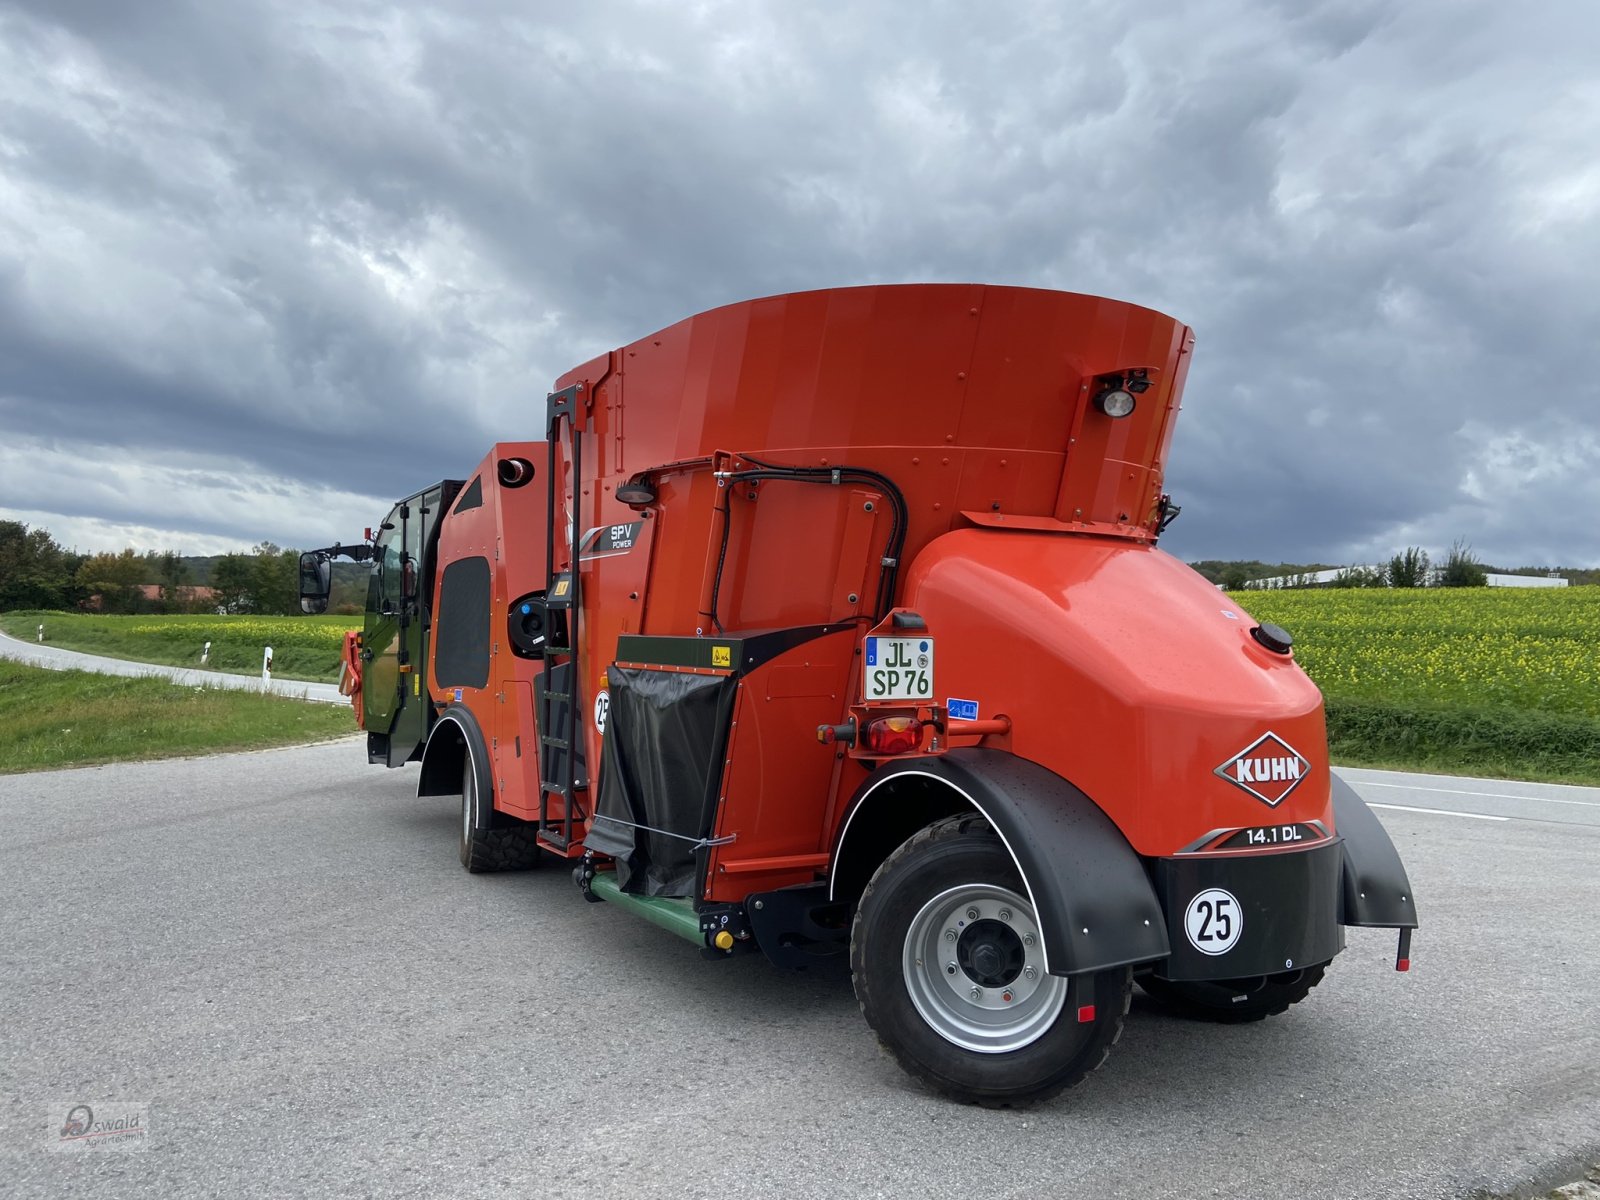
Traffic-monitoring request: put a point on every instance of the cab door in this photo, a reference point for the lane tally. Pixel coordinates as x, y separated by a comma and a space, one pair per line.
419, 519
381, 642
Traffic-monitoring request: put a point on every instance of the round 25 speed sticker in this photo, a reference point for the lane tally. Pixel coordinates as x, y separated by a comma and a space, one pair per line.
1213, 921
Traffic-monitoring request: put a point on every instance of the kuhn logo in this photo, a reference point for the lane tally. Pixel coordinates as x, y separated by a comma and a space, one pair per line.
1269, 769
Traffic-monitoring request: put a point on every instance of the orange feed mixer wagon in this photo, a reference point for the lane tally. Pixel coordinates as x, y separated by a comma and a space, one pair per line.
833, 623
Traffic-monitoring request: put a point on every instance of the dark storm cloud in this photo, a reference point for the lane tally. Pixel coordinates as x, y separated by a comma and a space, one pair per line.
350, 247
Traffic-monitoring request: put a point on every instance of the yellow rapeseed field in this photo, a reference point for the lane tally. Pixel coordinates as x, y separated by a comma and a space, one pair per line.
1529, 648
312, 633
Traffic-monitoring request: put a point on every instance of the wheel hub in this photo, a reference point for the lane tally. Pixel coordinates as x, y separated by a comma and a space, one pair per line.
991, 953
974, 970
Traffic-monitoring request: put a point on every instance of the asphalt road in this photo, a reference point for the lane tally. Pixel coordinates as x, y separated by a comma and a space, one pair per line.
278, 953
45, 655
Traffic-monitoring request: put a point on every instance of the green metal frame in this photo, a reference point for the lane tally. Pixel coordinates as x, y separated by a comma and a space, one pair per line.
674, 915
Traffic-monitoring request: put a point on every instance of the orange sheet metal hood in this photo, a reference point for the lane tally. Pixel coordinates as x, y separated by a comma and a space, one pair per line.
1127, 673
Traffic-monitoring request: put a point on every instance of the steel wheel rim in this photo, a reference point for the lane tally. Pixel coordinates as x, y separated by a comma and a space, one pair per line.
981, 1005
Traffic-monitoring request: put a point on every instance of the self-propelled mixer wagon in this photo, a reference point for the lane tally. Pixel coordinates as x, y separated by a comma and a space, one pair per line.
835, 622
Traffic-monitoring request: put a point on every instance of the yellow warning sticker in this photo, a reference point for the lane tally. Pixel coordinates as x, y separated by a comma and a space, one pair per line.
561, 587
416, 685
722, 656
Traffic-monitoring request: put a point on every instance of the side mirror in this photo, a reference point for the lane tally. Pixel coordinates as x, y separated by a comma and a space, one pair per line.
316, 580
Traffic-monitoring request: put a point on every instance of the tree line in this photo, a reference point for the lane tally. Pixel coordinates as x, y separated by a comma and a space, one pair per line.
37, 572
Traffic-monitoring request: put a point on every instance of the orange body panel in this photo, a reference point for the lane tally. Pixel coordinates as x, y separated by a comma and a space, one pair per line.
508, 529
1123, 671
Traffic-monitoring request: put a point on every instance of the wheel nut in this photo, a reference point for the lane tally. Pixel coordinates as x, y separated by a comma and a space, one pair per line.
949, 935
950, 968
1005, 914
976, 993
972, 914
1006, 996
1030, 971
1027, 939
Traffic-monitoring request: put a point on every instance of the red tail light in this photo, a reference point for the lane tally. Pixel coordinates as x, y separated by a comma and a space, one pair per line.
894, 735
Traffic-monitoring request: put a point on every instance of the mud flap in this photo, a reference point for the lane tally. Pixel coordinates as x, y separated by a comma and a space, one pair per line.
1375, 891
1094, 903
442, 761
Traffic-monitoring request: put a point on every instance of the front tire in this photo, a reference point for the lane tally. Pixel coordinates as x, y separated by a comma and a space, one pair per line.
1234, 1001
948, 964
484, 850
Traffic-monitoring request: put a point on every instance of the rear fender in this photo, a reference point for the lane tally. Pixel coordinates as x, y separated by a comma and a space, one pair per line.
1094, 902
1376, 891
455, 737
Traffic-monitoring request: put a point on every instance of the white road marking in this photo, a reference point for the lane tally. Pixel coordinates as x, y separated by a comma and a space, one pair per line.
1441, 812
1486, 795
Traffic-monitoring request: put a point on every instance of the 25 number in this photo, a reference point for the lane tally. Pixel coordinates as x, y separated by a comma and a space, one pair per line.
1214, 911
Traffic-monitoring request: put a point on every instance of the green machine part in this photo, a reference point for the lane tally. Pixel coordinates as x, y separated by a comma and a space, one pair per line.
675, 915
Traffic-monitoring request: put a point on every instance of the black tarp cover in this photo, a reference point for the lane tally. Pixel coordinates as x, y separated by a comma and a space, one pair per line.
660, 768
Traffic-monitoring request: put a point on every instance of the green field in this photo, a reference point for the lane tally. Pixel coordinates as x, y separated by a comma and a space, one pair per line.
74, 718
1492, 681
302, 647
1531, 648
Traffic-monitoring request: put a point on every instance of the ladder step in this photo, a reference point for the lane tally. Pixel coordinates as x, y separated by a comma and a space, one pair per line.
550, 838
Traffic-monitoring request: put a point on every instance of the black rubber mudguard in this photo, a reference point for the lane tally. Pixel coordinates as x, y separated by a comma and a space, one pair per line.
1095, 904
1376, 891
441, 775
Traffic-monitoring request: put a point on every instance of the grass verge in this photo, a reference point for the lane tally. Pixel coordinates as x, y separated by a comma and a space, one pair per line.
51, 719
1499, 743
306, 648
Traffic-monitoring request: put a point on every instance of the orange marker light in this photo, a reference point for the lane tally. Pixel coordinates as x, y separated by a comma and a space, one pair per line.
894, 735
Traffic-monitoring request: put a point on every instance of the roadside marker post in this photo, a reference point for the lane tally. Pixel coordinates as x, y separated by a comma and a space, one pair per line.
266, 669
205, 655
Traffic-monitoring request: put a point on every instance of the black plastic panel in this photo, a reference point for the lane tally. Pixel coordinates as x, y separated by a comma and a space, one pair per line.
472, 497
799, 926
741, 652
461, 648
1282, 911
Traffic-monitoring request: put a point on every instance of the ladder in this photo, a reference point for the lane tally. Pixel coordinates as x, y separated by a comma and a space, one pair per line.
556, 704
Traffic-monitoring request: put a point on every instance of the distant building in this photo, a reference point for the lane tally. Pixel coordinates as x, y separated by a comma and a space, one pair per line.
189, 596
1326, 578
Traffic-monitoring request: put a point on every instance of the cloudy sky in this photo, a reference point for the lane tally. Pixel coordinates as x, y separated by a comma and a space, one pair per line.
265, 267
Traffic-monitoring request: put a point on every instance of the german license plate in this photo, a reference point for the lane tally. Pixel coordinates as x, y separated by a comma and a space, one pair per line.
898, 670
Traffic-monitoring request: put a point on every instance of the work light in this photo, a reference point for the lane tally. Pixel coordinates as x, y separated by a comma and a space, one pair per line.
1115, 402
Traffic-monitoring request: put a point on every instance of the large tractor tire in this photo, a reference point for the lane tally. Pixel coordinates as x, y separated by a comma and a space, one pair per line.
1234, 1001
949, 969
483, 850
